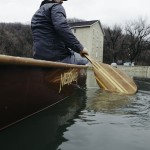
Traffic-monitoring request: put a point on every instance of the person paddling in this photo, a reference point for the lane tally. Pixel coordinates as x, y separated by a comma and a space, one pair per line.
53, 39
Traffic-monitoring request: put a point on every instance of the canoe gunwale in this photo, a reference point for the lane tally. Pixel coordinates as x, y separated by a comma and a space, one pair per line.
22, 61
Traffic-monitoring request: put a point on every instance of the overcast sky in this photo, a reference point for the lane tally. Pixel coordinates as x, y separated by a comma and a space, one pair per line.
109, 12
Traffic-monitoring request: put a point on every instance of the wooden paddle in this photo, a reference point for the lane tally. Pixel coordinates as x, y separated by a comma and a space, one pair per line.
112, 79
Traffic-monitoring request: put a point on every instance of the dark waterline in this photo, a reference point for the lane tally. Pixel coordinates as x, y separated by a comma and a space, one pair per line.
89, 120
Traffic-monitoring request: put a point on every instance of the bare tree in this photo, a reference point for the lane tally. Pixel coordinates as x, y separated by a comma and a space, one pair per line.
15, 39
112, 43
137, 35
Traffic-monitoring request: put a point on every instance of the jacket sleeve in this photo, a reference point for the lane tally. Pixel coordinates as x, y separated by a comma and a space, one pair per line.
58, 17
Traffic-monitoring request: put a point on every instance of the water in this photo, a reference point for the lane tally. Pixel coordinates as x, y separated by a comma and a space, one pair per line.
89, 120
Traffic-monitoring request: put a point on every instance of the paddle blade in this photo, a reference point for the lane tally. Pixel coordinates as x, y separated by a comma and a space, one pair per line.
112, 79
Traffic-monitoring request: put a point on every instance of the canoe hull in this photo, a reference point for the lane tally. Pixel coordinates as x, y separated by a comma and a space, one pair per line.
26, 90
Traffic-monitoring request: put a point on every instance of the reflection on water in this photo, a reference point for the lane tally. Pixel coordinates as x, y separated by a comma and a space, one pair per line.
111, 122
106, 101
44, 131
90, 119
135, 108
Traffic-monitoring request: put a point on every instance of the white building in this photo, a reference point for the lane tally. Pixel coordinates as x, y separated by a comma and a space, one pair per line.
91, 35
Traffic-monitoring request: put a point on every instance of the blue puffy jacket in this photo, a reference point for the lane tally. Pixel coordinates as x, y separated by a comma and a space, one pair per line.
52, 36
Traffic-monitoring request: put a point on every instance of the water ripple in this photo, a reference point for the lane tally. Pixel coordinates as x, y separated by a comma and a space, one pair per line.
135, 109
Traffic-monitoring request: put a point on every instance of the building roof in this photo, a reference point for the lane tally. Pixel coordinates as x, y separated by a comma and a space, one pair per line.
83, 23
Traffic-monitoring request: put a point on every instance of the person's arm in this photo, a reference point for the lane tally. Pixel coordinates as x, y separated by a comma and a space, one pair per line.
58, 17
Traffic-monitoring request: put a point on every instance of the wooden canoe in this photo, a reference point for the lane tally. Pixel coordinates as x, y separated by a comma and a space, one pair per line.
28, 86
